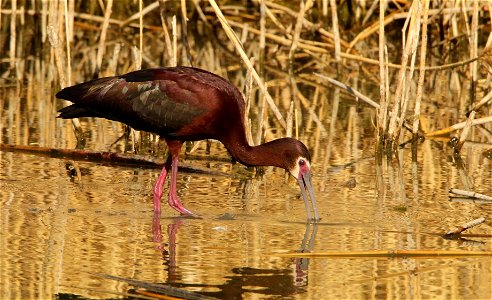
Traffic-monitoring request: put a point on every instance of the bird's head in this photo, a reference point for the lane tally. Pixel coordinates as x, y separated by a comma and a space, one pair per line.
298, 161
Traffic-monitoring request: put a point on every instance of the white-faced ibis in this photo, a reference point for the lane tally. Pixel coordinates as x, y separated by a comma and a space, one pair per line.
186, 104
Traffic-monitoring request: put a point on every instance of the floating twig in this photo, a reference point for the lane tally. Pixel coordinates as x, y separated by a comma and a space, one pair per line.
470, 194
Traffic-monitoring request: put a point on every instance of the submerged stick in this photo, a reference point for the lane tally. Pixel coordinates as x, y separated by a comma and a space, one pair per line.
388, 254
110, 157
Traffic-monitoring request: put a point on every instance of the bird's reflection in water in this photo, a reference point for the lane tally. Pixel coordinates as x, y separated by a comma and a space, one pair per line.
272, 282
169, 255
307, 245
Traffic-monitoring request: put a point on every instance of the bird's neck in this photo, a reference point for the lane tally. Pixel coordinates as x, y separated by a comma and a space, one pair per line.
266, 154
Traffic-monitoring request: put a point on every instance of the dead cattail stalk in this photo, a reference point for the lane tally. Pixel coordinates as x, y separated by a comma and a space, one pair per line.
289, 119
398, 105
67, 37
465, 132
420, 85
414, 26
233, 38
248, 94
140, 32
13, 30
336, 33
167, 37
474, 50
383, 109
174, 61
102, 37
54, 40
262, 98
184, 32
111, 71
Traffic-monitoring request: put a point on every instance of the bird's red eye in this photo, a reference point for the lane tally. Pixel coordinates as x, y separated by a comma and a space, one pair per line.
302, 162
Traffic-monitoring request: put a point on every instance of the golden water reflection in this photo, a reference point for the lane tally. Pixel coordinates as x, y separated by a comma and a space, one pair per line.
59, 235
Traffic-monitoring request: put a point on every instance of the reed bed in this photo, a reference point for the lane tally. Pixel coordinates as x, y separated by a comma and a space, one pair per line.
292, 50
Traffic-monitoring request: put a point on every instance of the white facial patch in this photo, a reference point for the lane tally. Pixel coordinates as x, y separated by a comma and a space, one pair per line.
297, 167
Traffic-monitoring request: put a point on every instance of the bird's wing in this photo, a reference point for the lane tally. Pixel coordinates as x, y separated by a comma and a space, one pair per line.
152, 105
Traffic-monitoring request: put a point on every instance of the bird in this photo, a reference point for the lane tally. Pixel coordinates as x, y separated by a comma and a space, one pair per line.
186, 104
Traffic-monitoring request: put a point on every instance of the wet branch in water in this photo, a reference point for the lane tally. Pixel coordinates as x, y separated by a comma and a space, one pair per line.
109, 157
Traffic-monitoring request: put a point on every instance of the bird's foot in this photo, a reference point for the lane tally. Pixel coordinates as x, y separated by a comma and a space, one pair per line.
175, 203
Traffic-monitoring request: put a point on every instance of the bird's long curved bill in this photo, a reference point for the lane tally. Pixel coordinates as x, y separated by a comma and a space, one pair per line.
306, 186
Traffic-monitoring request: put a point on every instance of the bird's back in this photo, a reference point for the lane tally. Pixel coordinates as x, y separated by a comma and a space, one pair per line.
180, 102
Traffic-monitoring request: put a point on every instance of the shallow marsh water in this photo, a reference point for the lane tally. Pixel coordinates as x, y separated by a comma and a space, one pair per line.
61, 234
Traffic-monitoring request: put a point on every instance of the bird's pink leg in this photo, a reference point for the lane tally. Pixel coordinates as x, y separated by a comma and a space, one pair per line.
174, 201
159, 185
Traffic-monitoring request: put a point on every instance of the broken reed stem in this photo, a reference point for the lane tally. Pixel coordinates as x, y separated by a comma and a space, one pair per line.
184, 32
420, 85
167, 37
350, 90
140, 32
13, 36
464, 227
465, 132
309, 107
398, 105
414, 27
482, 102
67, 37
298, 28
111, 71
233, 38
248, 95
289, 119
459, 126
470, 194
141, 13
174, 61
261, 55
474, 50
383, 108
336, 32
295, 40
102, 37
